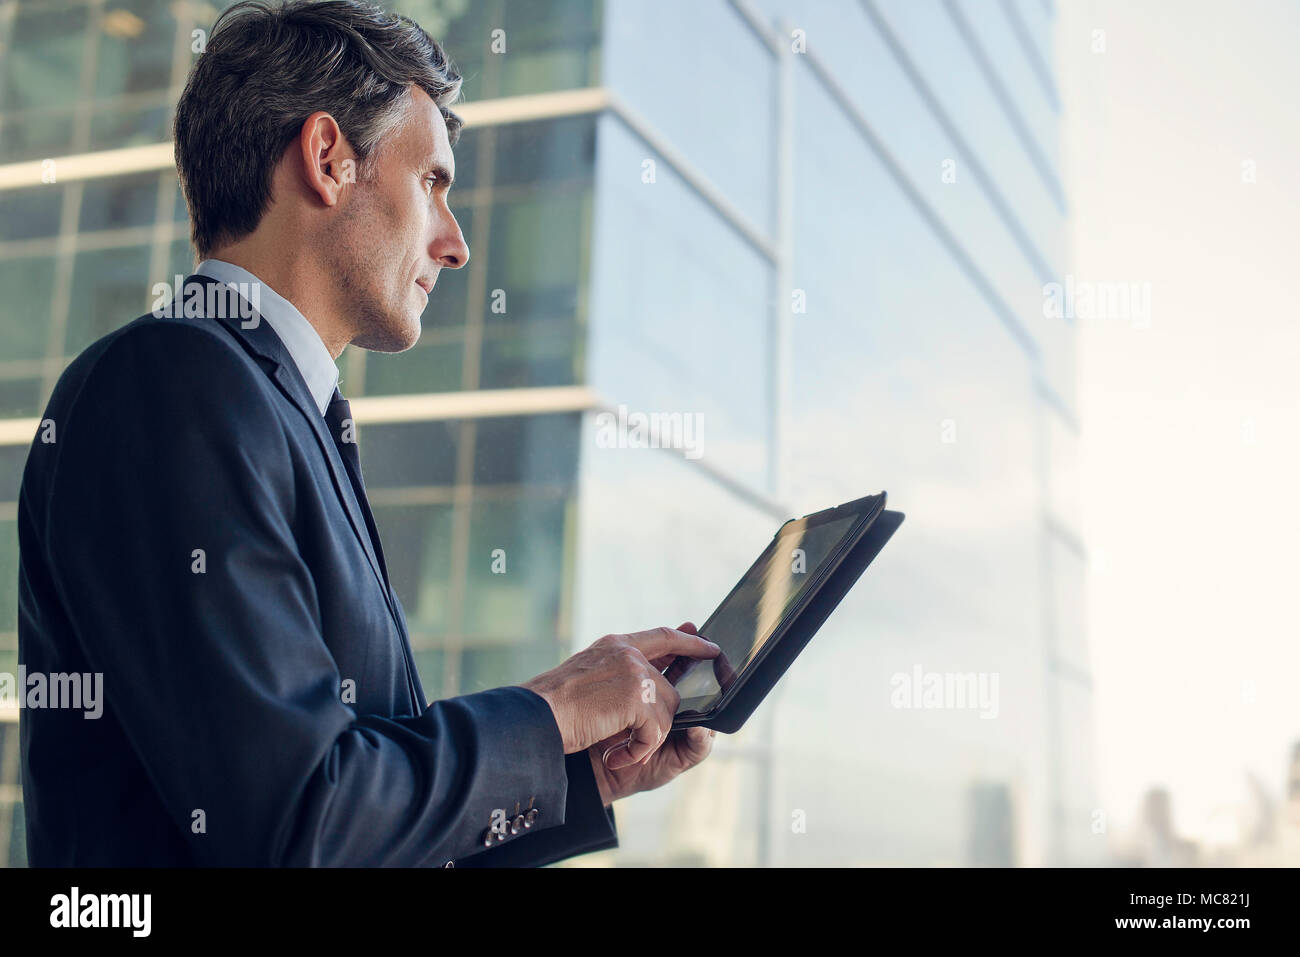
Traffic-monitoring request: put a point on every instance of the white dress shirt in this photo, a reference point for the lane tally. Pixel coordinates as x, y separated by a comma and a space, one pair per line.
299, 336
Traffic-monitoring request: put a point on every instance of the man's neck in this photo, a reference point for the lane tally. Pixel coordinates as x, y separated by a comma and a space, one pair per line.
296, 280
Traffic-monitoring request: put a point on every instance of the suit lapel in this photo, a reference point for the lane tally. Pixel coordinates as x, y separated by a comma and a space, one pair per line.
261, 341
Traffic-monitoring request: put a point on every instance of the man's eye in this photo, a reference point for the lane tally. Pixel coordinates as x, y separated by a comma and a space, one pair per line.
430, 182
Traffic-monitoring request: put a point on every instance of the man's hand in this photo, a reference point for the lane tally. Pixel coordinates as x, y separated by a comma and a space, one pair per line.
685, 748
613, 700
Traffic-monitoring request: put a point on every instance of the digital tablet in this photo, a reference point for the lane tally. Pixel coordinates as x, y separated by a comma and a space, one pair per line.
776, 608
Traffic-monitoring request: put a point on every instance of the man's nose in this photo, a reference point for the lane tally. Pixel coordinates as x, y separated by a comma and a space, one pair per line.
449, 246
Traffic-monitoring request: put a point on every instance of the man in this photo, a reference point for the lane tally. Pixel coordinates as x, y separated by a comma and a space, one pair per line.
194, 526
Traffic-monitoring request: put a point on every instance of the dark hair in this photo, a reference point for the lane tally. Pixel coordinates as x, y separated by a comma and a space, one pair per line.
267, 68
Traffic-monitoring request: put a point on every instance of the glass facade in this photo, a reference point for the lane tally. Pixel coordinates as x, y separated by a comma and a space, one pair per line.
819, 231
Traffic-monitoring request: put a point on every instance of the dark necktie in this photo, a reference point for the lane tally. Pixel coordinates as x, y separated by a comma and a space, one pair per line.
338, 418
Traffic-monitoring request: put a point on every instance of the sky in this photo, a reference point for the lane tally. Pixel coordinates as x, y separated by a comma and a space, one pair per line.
1181, 157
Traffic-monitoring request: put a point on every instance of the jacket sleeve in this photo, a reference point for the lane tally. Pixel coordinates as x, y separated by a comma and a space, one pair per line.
589, 826
169, 533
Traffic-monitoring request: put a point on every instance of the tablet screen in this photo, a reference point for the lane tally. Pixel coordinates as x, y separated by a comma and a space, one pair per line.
749, 615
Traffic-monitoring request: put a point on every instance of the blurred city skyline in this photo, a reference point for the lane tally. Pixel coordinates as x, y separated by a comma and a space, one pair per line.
1180, 146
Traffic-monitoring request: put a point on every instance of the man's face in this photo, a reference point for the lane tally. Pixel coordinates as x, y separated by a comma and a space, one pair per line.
396, 232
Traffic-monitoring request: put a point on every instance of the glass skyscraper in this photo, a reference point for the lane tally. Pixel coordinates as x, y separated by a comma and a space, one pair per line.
817, 231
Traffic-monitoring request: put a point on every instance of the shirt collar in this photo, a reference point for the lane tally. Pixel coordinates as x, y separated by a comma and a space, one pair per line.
299, 336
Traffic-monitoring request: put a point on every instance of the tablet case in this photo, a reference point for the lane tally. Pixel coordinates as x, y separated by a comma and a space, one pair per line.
737, 711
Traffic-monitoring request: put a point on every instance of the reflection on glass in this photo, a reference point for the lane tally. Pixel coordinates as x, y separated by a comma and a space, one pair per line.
747, 617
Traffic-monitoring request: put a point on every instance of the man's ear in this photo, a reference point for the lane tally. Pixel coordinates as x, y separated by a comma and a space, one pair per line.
328, 159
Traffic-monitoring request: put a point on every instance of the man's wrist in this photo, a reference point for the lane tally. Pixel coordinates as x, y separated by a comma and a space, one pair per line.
541, 692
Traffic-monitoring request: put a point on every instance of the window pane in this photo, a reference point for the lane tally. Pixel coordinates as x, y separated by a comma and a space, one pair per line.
485, 668
447, 303
112, 289
466, 155
520, 601
119, 202
552, 46
132, 126
431, 365
9, 577
537, 257
551, 151
31, 213
430, 664
548, 46
12, 460
42, 67
417, 551
135, 47
532, 450
35, 136
530, 354
18, 831
408, 454
180, 211
27, 290
20, 397
180, 259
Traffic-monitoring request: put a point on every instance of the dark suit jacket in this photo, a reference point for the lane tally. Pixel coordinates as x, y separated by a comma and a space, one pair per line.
225, 738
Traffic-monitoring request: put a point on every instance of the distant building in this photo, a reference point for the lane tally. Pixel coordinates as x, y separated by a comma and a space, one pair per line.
1158, 843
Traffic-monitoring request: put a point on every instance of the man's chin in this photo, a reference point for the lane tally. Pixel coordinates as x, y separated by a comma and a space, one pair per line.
397, 338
